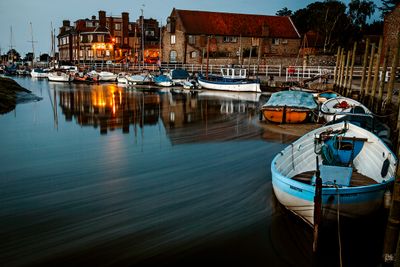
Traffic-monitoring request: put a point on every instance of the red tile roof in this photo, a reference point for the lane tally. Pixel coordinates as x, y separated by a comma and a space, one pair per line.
230, 24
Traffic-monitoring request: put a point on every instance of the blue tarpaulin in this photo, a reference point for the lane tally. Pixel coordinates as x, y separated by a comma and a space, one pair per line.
292, 99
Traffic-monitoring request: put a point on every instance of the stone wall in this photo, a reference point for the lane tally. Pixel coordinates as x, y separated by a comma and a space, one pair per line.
391, 29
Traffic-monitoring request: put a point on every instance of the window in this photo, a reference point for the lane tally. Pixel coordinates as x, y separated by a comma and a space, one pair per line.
172, 56
230, 39
100, 38
193, 54
89, 24
117, 40
99, 53
108, 53
80, 53
255, 41
275, 41
173, 39
191, 39
90, 38
80, 38
117, 26
149, 33
90, 53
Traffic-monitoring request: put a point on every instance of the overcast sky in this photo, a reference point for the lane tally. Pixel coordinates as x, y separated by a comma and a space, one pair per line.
18, 14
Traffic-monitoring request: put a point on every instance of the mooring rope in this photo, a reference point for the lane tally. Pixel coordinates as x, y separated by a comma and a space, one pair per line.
338, 222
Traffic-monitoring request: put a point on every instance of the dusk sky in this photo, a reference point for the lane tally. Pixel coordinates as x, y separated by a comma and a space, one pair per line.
17, 14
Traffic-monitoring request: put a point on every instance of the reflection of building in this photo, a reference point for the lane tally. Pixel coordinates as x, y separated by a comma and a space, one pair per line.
191, 117
108, 38
110, 107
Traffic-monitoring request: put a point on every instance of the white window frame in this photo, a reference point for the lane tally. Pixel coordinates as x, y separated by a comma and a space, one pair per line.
173, 39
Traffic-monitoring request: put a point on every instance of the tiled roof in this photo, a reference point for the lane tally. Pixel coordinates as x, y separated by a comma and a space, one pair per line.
230, 24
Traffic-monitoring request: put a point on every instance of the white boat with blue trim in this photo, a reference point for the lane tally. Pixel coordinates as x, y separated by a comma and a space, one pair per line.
231, 79
356, 168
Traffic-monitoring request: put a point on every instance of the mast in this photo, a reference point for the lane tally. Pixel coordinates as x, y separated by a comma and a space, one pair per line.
142, 36
11, 46
33, 46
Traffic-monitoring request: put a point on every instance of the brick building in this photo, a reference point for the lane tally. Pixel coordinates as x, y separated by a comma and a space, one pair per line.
106, 38
231, 37
391, 28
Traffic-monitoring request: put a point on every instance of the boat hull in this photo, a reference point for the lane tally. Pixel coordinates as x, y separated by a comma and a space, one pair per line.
285, 115
353, 187
236, 86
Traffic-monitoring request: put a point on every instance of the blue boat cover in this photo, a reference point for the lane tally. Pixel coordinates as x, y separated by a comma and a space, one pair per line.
179, 74
292, 99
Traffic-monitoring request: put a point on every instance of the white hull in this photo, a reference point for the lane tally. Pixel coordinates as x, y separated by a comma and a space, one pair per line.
59, 77
35, 74
355, 200
236, 87
330, 109
107, 76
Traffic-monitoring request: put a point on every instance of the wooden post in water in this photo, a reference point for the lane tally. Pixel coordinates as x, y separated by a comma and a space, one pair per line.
364, 68
353, 59
342, 63
336, 71
376, 73
371, 62
382, 82
395, 62
346, 73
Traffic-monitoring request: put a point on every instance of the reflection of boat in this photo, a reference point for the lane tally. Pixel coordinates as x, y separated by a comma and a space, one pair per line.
355, 166
338, 107
230, 80
242, 96
289, 107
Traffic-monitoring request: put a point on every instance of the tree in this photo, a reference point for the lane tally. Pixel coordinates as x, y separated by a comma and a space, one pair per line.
360, 11
387, 6
328, 19
284, 12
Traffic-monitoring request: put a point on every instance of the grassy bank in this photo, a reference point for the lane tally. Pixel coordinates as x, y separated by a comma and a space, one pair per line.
10, 91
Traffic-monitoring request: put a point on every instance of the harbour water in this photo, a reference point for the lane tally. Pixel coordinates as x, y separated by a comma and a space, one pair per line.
102, 175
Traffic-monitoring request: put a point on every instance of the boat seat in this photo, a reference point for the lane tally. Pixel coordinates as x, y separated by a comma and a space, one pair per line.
331, 175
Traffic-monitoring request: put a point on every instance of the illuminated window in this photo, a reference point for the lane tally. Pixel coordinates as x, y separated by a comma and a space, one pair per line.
100, 38
173, 39
117, 26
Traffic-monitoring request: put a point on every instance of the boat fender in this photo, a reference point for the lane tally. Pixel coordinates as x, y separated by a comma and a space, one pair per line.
385, 167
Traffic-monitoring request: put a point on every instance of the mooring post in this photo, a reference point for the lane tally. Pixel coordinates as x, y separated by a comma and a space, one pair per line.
364, 69
383, 81
353, 59
376, 73
371, 62
342, 63
346, 73
336, 70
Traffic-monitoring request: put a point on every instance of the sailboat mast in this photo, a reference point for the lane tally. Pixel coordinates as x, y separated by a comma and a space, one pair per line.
11, 46
33, 46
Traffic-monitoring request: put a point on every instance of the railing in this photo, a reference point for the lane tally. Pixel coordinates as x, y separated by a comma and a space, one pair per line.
290, 73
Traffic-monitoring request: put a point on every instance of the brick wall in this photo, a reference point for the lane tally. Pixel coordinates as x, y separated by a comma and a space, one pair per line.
391, 29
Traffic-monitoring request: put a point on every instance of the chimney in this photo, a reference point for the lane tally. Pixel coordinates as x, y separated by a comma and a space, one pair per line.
66, 23
102, 18
125, 23
93, 17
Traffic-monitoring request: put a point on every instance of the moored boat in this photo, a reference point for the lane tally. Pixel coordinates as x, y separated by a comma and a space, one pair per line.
355, 166
338, 107
60, 76
289, 107
39, 73
163, 80
231, 79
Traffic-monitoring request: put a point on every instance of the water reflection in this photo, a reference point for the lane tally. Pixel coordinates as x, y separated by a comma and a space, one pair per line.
186, 115
193, 188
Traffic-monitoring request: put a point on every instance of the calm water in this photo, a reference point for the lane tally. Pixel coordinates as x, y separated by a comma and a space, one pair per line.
101, 175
